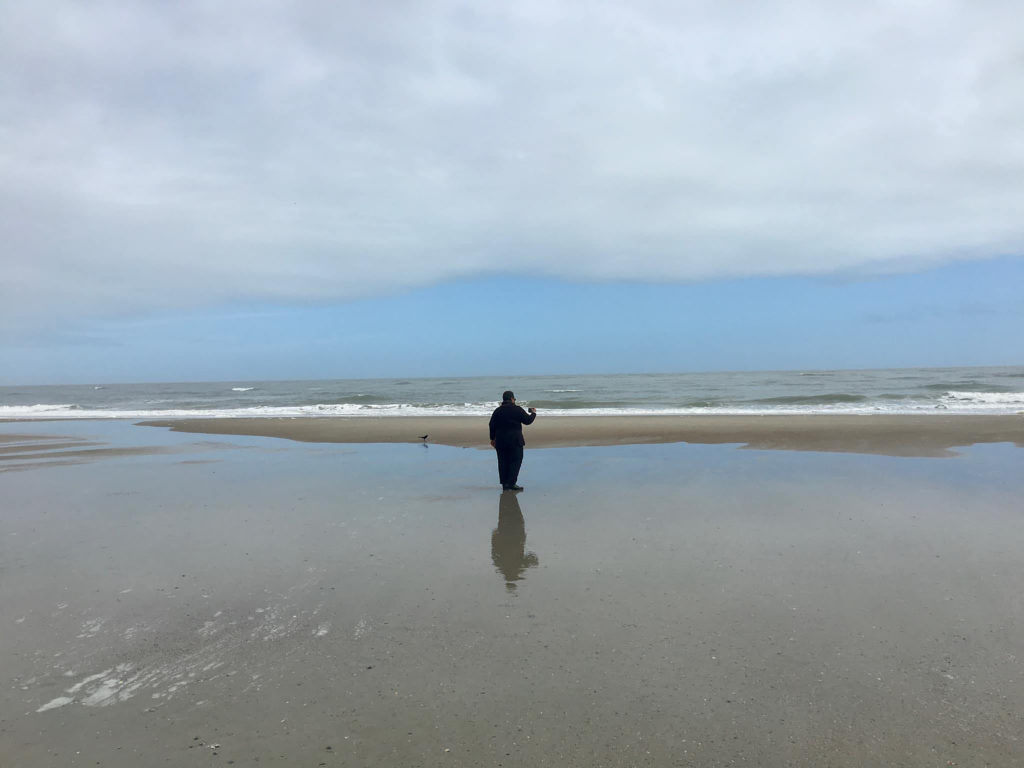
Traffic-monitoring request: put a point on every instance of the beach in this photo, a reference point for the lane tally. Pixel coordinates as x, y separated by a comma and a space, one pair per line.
893, 435
172, 598
281, 283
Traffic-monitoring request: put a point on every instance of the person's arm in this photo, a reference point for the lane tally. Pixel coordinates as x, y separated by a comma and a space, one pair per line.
527, 418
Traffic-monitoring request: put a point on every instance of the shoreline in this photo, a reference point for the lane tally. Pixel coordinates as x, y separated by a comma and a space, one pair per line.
890, 435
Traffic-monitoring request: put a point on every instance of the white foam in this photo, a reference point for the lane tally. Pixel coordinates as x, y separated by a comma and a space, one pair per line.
168, 678
984, 401
92, 627
950, 403
87, 680
37, 410
60, 701
107, 692
242, 389
70, 411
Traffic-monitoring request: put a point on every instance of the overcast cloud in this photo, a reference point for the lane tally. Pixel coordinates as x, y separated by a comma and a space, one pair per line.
172, 154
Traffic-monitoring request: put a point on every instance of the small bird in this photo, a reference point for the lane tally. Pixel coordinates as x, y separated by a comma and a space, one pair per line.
424, 438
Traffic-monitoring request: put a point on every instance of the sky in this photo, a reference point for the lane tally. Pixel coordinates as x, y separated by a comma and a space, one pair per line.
238, 190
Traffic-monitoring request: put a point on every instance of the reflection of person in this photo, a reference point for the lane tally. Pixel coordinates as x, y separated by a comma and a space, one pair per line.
507, 438
508, 542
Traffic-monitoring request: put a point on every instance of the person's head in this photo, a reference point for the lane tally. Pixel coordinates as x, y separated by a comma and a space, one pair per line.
507, 396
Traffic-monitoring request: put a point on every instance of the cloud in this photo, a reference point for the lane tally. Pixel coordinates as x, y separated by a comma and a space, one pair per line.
163, 155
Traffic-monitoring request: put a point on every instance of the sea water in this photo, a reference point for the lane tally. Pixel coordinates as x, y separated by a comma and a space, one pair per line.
896, 391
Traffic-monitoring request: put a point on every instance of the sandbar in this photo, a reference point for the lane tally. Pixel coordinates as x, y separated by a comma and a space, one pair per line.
891, 435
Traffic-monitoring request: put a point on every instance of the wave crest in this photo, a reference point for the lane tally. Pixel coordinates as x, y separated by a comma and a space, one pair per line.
828, 399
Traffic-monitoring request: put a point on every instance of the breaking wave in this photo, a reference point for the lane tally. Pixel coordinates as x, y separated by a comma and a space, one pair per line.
953, 401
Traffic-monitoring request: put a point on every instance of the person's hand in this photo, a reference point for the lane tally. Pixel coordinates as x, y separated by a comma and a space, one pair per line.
532, 410
493, 445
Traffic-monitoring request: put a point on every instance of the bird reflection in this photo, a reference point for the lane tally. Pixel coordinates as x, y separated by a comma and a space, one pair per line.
508, 542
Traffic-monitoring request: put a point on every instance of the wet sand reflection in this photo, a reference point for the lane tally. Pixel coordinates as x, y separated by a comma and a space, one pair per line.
508, 542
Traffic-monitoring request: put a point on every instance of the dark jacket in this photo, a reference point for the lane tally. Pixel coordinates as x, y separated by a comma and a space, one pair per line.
507, 424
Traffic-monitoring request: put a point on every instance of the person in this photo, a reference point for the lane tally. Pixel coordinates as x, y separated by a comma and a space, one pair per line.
506, 429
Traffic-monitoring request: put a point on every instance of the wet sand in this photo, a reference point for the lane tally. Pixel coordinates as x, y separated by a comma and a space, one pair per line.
888, 435
254, 600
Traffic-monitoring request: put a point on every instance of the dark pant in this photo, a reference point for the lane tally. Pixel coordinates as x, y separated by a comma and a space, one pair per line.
510, 459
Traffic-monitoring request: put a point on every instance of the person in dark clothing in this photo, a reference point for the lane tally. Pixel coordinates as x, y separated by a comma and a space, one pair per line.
507, 439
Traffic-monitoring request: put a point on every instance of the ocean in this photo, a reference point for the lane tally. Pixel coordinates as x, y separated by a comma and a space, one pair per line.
896, 391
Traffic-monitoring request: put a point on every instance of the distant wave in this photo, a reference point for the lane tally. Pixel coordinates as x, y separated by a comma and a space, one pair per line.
575, 405
828, 399
967, 385
360, 398
563, 390
242, 389
39, 409
704, 404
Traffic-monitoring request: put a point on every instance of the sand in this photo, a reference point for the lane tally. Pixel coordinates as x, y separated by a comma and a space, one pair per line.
262, 601
889, 435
